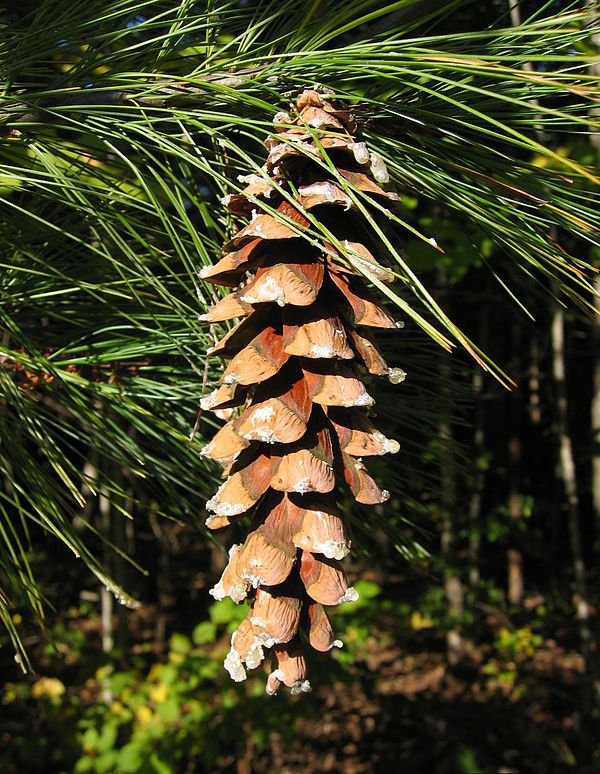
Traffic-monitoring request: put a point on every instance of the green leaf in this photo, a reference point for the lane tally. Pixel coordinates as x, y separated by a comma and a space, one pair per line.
204, 632
159, 766
168, 710
130, 758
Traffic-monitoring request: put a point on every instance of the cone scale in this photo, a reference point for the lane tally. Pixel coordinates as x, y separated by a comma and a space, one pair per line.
299, 411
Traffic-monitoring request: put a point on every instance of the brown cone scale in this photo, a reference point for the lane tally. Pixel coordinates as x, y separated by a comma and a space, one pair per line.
292, 385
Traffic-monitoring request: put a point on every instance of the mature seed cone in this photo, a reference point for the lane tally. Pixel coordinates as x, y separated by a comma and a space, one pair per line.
293, 379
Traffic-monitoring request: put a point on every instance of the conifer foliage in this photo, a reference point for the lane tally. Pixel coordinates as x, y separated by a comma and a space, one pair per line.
293, 390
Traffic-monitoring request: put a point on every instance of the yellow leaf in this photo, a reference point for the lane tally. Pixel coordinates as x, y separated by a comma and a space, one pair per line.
158, 693
47, 686
144, 715
418, 621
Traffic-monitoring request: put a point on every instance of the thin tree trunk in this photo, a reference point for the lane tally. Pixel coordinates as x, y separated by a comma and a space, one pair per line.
98, 506
535, 412
514, 7
514, 554
478, 482
106, 598
479, 469
453, 587
112, 525
567, 473
122, 537
166, 598
515, 581
516, 584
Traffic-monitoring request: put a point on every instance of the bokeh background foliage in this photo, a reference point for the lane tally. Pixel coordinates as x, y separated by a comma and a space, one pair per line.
122, 125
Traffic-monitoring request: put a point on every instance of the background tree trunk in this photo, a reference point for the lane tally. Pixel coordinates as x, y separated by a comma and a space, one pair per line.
568, 475
515, 580
453, 587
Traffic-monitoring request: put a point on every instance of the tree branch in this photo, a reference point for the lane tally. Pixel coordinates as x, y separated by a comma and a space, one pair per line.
21, 112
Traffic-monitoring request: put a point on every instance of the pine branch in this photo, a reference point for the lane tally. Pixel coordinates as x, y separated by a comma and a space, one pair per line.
180, 94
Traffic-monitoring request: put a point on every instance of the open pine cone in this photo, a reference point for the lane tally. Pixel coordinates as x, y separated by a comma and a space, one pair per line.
293, 379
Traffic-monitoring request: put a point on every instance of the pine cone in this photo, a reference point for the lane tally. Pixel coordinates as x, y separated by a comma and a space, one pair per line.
294, 379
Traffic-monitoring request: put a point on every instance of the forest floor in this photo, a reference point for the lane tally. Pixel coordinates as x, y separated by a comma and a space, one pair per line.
515, 702
411, 712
